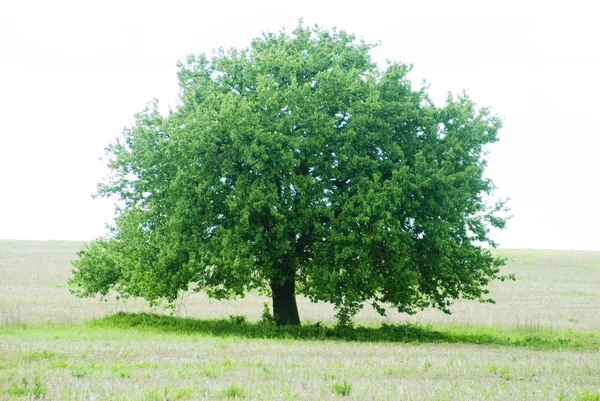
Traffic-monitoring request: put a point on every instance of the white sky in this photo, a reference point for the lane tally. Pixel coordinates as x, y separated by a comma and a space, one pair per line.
72, 74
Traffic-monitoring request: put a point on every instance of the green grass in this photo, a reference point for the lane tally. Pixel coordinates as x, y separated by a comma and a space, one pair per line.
234, 391
342, 388
588, 396
25, 388
132, 326
532, 337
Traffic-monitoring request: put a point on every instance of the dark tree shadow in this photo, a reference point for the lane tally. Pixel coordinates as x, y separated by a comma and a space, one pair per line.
237, 326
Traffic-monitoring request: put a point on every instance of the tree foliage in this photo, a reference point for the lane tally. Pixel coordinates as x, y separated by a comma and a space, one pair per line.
298, 166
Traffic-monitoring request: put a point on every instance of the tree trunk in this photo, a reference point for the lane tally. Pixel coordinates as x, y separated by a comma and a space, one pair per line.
285, 309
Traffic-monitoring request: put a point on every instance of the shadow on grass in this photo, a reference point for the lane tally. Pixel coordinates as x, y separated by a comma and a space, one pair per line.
534, 338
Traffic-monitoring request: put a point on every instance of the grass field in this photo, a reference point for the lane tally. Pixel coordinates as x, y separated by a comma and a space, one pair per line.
541, 341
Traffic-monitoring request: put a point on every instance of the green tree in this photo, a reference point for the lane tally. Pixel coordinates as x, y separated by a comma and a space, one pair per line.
297, 166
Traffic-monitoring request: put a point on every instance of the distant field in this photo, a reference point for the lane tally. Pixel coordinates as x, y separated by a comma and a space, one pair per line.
541, 341
556, 289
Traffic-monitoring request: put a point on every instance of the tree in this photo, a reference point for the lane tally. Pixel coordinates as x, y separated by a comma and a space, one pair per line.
297, 166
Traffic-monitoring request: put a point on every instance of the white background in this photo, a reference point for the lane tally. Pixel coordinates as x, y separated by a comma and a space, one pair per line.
72, 74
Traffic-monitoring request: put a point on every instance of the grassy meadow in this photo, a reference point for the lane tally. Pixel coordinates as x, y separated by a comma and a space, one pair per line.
540, 341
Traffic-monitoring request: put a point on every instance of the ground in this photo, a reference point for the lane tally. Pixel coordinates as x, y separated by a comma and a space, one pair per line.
540, 341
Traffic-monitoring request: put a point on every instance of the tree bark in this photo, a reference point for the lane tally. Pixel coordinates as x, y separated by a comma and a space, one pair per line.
285, 309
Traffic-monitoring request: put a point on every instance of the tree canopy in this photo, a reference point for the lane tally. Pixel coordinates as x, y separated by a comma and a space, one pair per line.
298, 166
